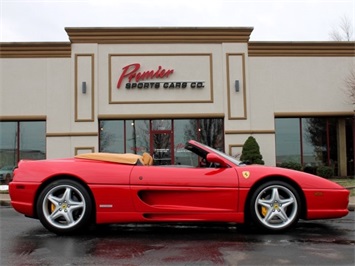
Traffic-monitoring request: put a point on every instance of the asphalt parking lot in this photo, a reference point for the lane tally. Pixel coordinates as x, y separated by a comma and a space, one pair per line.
25, 241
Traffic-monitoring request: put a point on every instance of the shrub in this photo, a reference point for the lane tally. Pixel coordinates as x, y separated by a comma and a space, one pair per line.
310, 170
325, 171
251, 152
291, 165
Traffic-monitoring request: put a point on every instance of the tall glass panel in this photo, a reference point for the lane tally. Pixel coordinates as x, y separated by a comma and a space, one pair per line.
211, 131
332, 144
311, 156
137, 136
184, 130
288, 143
112, 136
8, 149
314, 133
32, 140
350, 145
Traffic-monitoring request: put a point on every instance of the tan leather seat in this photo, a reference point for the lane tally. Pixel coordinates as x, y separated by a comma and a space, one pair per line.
147, 159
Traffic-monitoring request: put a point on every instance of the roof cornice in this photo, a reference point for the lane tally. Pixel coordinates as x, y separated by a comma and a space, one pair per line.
301, 49
159, 35
35, 50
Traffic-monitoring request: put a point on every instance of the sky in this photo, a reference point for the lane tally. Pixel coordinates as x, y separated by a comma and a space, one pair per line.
276, 20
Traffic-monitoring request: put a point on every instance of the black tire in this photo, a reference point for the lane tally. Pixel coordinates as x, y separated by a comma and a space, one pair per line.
275, 206
64, 207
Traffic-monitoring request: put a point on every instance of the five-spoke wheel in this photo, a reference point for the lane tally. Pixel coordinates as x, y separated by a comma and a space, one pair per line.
275, 206
64, 206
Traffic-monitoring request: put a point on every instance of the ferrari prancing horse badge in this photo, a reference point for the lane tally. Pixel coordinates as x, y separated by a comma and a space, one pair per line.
246, 174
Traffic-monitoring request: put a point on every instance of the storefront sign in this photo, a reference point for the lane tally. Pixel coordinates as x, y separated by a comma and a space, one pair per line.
131, 73
166, 85
140, 79
160, 78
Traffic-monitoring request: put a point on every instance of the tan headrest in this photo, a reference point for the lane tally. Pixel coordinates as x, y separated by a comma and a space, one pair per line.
147, 159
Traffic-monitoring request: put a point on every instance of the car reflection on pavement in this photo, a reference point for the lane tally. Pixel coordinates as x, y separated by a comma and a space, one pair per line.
212, 244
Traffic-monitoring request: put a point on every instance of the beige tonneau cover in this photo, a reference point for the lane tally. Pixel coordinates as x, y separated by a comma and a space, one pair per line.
124, 158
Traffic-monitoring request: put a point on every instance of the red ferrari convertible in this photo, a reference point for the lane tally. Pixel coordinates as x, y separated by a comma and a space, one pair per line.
67, 195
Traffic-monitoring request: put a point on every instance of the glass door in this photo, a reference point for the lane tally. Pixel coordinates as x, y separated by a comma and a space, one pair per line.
162, 147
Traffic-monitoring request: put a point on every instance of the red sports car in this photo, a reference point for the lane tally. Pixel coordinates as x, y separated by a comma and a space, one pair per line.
67, 195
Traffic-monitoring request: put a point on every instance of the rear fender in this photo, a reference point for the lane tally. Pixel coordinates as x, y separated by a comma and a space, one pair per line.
58, 177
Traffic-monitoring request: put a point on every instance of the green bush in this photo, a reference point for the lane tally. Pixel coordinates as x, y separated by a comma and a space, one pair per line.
251, 152
310, 169
325, 171
291, 165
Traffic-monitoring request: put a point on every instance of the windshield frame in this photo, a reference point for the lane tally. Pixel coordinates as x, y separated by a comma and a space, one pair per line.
225, 156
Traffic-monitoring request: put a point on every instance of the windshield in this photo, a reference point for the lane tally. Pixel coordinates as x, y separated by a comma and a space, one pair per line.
222, 154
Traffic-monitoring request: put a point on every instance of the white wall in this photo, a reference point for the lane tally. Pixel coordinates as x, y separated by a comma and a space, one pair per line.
281, 85
299, 84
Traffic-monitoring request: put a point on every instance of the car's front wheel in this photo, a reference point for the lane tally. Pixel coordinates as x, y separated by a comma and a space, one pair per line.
275, 206
64, 207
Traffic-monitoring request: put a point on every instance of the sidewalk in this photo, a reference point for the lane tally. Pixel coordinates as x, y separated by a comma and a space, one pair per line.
5, 201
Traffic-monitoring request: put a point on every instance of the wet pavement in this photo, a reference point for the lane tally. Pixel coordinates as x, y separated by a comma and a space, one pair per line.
326, 242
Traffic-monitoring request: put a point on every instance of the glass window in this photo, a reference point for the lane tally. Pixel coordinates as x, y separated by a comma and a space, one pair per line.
33, 140
184, 130
350, 145
331, 158
319, 141
8, 144
314, 136
112, 136
319, 144
288, 143
137, 136
211, 131
161, 124
20, 140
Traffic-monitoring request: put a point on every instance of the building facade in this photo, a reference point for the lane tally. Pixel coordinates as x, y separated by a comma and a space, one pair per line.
152, 89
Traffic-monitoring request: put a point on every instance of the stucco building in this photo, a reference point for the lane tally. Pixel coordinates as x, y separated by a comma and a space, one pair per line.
151, 89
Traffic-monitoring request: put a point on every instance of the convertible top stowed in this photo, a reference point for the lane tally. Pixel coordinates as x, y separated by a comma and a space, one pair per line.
123, 158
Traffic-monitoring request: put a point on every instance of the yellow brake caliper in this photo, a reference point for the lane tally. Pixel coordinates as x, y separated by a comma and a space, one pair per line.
263, 211
52, 208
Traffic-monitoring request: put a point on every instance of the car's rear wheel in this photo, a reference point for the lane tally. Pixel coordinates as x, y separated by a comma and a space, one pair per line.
275, 206
64, 207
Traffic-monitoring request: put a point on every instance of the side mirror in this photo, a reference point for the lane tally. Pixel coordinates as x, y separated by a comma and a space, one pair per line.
213, 158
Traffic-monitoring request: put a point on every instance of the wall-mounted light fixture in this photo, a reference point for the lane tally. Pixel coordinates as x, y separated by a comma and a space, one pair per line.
83, 87
236, 85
